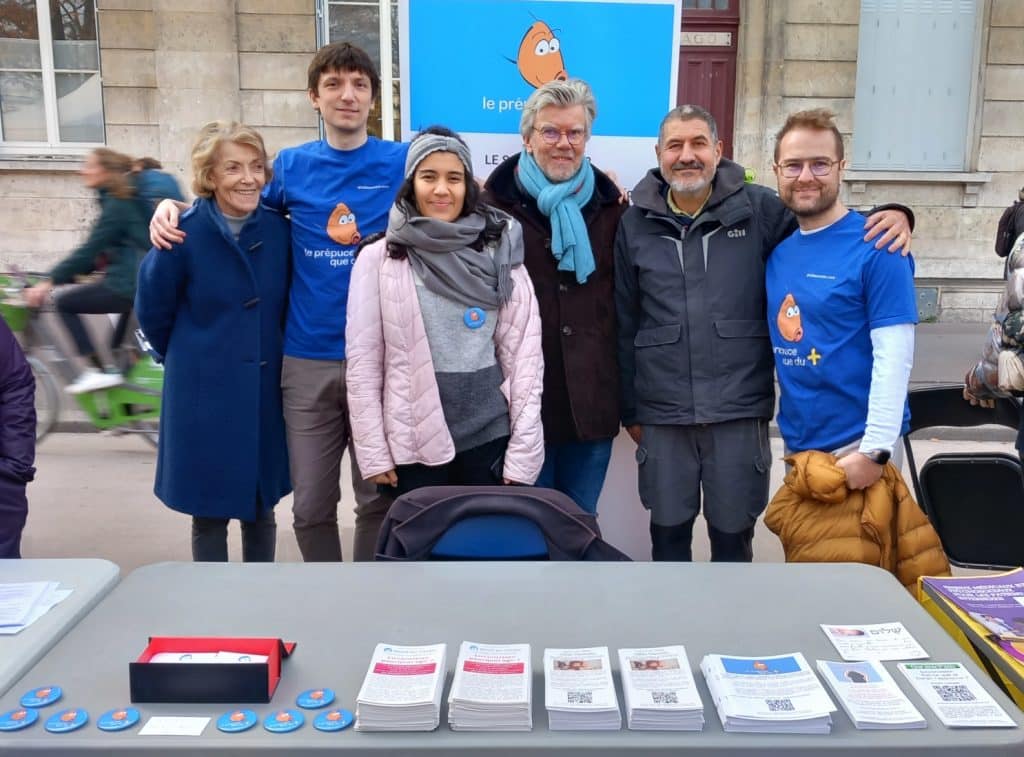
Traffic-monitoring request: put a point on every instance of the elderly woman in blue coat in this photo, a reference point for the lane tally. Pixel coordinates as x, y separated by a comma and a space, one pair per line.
213, 307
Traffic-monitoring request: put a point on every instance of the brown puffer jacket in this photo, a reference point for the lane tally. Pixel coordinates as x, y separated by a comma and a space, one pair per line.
819, 520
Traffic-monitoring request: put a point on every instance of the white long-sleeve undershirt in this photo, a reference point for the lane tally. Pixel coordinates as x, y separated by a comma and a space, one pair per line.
892, 351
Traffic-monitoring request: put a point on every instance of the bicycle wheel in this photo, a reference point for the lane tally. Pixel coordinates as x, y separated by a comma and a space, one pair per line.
47, 398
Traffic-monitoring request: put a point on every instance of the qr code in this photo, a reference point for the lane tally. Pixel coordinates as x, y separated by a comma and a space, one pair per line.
954, 693
664, 697
580, 697
780, 705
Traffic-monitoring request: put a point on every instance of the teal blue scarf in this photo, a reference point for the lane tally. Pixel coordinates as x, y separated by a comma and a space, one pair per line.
562, 203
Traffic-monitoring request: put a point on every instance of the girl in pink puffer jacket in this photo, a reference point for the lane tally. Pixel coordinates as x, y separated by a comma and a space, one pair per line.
443, 337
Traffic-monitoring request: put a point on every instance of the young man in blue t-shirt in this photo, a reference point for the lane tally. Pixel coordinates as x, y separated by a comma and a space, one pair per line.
841, 314
336, 191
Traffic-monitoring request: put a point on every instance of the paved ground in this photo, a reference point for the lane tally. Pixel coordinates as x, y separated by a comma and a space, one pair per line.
93, 493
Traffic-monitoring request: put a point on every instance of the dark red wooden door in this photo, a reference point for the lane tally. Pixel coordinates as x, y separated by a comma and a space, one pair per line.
707, 61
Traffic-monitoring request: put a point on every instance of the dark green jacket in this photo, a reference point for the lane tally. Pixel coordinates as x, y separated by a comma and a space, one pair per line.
121, 235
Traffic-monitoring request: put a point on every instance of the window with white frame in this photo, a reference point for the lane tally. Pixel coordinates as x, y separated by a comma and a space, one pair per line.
373, 26
50, 92
916, 65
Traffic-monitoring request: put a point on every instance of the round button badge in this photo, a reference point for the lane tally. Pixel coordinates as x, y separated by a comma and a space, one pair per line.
41, 697
15, 720
314, 699
283, 721
67, 720
333, 720
237, 721
118, 719
474, 318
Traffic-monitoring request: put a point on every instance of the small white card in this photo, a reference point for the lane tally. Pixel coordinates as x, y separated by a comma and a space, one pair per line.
878, 641
169, 726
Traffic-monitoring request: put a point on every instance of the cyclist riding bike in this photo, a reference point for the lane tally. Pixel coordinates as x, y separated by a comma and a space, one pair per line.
115, 246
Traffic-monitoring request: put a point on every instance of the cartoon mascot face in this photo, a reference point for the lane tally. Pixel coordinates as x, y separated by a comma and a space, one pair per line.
341, 226
540, 56
789, 322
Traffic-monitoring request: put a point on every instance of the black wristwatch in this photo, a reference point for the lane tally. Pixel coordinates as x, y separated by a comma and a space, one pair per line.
878, 456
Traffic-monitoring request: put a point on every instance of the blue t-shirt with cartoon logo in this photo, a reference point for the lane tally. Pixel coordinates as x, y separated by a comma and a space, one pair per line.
826, 291
334, 198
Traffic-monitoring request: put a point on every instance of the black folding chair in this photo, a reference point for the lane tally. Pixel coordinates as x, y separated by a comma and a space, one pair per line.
975, 500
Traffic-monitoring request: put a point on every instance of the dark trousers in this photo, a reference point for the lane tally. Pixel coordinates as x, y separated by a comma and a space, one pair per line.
479, 466
13, 514
259, 538
92, 298
673, 543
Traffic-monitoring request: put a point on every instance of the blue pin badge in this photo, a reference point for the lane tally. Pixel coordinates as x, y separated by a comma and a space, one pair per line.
283, 721
119, 719
15, 720
41, 697
67, 720
333, 720
474, 318
314, 699
237, 721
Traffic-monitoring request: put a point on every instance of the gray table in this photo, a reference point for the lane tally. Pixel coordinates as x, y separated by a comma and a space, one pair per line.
90, 579
338, 612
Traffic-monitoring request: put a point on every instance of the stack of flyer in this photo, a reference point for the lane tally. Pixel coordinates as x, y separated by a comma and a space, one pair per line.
995, 601
955, 696
22, 604
659, 690
870, 696
402, 689
777, 694
491, 689
578, 690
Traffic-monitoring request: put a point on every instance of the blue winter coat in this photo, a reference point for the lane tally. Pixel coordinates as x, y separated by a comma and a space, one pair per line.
214, 308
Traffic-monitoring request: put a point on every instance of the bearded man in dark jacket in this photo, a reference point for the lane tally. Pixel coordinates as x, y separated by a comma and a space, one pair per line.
569, 211
695, 360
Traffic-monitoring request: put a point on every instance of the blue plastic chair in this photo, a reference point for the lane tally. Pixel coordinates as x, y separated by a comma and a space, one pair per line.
492, 537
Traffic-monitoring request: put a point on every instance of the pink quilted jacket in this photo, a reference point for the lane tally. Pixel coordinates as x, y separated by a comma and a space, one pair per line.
394, 404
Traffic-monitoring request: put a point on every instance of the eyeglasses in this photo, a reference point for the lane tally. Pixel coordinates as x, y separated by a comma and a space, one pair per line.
791, 169
551, 135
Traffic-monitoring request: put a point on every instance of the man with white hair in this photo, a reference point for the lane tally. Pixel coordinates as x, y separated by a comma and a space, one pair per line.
569, 211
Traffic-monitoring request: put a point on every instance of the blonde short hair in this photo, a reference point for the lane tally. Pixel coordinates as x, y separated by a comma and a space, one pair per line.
204, 151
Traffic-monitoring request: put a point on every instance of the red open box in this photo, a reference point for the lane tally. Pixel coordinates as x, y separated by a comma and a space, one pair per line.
208, 682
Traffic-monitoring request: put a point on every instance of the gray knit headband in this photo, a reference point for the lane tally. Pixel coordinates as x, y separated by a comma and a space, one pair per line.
421, 147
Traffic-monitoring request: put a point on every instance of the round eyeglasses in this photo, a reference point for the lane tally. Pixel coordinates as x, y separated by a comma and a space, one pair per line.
817, 166
551, 135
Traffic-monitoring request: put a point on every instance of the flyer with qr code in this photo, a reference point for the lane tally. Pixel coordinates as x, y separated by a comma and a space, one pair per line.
774, 694
955, 696
578, 689
659, 690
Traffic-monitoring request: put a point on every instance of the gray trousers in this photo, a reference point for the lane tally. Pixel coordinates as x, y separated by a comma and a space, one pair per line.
316, 418
728, 463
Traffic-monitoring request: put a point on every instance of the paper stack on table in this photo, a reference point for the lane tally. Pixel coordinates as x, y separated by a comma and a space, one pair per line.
955, 696
22, 604
492, 688
777, 694
870, 696
578, 690
402, 689
659, 690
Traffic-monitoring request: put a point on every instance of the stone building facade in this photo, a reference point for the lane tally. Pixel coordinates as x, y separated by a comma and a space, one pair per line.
167, 66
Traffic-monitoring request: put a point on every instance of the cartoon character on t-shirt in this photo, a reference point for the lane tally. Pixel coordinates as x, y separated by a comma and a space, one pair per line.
788, 320
341, 226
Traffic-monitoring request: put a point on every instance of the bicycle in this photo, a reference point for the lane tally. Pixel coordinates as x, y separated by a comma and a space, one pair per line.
132, 407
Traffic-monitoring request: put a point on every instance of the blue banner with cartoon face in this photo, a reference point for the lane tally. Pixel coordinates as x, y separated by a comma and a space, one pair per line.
471, 64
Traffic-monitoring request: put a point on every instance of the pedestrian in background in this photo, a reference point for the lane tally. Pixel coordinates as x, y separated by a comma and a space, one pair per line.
213, 307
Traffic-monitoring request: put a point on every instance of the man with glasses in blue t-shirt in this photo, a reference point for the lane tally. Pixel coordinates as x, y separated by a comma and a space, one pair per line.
841, 313
336, 191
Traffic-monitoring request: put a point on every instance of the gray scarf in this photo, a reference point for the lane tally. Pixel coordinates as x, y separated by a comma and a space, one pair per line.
441, 255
